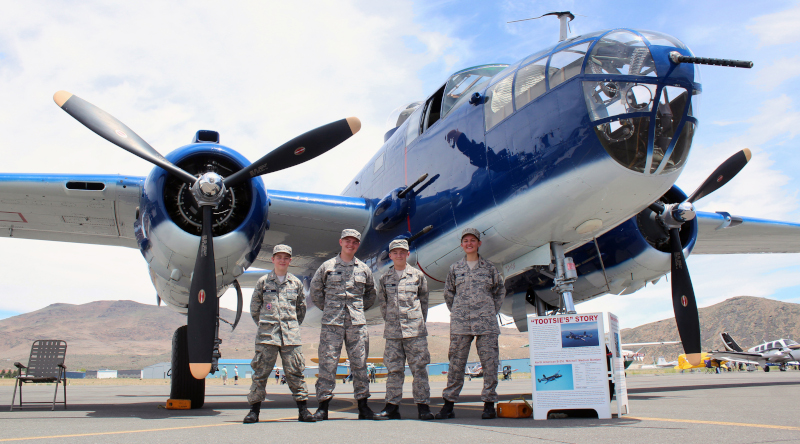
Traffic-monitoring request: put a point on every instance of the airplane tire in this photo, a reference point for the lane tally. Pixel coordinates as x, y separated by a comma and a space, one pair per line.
184, 386
766, 368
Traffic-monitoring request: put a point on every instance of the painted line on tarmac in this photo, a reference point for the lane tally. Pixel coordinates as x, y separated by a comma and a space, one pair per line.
695, 421
165, 429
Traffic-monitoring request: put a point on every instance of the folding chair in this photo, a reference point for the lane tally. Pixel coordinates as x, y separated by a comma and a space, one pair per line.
45, 365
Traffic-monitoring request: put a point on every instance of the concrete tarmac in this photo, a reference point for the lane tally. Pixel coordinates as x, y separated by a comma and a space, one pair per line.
730, 407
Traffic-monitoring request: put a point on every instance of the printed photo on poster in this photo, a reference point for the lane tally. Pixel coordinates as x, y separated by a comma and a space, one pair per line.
617, 346
554, 377
582, 334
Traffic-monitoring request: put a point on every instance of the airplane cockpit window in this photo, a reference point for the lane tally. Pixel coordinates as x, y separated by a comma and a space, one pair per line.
462, 84
498, 103
659, 39
621, 52
789, 342
401, 113
671, 106
566, 64
412, 131
608, 99
530, 83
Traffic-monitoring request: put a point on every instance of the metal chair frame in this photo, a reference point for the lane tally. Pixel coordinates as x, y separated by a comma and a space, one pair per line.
45, 365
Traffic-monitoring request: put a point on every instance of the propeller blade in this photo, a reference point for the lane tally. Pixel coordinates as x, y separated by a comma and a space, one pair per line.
722, 175
203, 303
108, 127
683, 301
298, 150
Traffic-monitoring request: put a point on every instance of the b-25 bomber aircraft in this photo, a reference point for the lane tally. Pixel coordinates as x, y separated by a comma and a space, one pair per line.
565, 161
578, 337
550, 378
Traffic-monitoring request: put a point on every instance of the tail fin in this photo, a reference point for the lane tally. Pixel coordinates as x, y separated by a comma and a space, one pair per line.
729, 343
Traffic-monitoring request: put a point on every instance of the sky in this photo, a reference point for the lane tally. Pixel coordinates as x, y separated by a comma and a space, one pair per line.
261, 73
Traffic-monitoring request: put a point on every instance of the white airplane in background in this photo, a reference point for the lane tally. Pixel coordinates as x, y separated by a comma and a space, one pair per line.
779, 351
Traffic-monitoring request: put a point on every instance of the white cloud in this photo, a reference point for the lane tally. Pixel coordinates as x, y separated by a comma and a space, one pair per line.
781, 70
260, 73
777, 28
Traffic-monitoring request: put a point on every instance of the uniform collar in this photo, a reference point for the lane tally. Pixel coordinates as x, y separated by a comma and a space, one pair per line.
405, 271
481, 262
340, 261
274, 277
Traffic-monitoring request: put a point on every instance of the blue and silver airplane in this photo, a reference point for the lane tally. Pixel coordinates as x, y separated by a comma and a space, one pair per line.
582, 337
565, 160
551, 378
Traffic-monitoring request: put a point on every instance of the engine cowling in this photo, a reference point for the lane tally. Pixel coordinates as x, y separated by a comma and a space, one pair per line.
634, 253
168, 224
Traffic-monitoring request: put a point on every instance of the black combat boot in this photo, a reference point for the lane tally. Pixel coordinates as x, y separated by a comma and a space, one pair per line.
252, 417
447, 410
305, 415
488, 411
322, 411
390, 411
424, 412
364, 412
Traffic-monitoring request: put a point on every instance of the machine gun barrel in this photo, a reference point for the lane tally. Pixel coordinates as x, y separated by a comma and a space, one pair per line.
677, 58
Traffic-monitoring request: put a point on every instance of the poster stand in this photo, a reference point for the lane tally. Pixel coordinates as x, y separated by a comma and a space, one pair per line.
570, 364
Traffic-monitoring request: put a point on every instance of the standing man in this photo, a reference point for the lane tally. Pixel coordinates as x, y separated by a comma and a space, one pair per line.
343, 288
278, 307
403, 292
235, 375
474, 291
225, 375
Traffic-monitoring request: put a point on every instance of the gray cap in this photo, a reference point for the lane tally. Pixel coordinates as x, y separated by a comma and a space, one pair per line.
351, 233
472, 231
282, 249
398, 243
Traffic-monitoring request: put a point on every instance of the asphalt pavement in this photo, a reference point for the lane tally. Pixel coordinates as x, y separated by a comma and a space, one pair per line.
731, 407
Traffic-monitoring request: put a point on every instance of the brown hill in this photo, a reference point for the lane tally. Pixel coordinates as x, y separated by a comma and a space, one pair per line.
750, 320
130, 335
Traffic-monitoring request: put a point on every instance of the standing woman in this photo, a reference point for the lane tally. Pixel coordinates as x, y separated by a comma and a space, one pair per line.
474, 291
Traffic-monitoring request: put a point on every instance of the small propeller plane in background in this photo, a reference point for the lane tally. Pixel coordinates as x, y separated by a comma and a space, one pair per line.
551, 378
565, 160
578, 337
779, 351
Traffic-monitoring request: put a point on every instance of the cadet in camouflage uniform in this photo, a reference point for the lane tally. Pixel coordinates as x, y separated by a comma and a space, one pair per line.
474, 291
278, 307
343, 288
403, 293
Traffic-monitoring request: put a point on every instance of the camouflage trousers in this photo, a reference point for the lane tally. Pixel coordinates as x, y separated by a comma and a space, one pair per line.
489, 354
293, 365
415, 350
356, 341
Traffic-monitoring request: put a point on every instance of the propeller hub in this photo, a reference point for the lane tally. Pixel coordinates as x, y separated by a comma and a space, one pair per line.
208, 189
676, 214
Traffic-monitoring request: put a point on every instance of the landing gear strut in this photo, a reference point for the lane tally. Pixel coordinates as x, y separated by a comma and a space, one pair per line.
566, 274
184, 386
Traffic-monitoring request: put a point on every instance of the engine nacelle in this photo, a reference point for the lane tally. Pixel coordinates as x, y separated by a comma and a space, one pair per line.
634, 253
169, 222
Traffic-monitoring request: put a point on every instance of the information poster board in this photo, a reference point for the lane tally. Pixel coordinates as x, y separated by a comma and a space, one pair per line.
617, 365
568, 364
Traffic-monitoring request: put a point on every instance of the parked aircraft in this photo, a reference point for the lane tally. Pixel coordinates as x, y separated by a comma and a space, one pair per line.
573, 149
779, 351
550, 378
661, 363
630, 356
578, 337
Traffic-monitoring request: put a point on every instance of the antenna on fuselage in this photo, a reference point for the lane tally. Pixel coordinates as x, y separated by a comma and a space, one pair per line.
564, 17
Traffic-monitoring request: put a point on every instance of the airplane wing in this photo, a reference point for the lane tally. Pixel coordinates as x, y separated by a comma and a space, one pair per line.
87, 209
736, 356
722, 233
311, 224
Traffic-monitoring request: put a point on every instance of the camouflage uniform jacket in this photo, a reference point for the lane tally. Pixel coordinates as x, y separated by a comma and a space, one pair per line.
474, 298
404, 303
278, 309
340, 289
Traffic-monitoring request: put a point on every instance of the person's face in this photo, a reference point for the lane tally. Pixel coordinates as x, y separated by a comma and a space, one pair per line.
470, 244
281, 260
349, 245
399, 256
